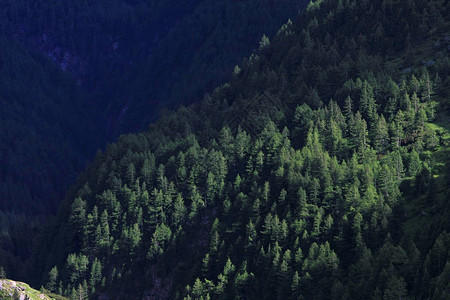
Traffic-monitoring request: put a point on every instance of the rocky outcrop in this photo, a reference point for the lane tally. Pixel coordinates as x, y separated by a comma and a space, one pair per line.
10, 289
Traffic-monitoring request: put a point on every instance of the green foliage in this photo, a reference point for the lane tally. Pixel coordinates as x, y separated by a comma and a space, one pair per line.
11, 290
305, 202
76, 75
52, 280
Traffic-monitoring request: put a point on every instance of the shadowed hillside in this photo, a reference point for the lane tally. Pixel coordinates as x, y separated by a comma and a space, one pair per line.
305, 176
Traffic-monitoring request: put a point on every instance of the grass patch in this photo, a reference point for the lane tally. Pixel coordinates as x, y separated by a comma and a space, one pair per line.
10, 289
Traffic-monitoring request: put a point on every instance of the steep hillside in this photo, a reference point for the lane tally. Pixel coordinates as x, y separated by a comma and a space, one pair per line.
45, 140
200, 52
45, 131
121, 61
319, 171
76, 74
139, 56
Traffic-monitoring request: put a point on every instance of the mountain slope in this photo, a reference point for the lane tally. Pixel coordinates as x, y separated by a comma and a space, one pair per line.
201, 51
114, 55
301, 177
76, 74
40, 106
45, 140
135, 55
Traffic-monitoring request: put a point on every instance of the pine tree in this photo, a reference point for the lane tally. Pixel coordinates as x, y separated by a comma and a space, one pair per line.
179, 210
367, 104
131, 174
295, 283
52, 279
348, 107
381, 136
302, 208
78, 214
414, 164
396, 289
264, 42
96, 273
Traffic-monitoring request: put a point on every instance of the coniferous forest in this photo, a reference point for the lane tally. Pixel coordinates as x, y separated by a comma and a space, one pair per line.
76, 74
316, 166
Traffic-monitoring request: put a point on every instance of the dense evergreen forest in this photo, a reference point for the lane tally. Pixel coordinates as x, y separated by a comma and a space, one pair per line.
76, 74
119, 59
320, 170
